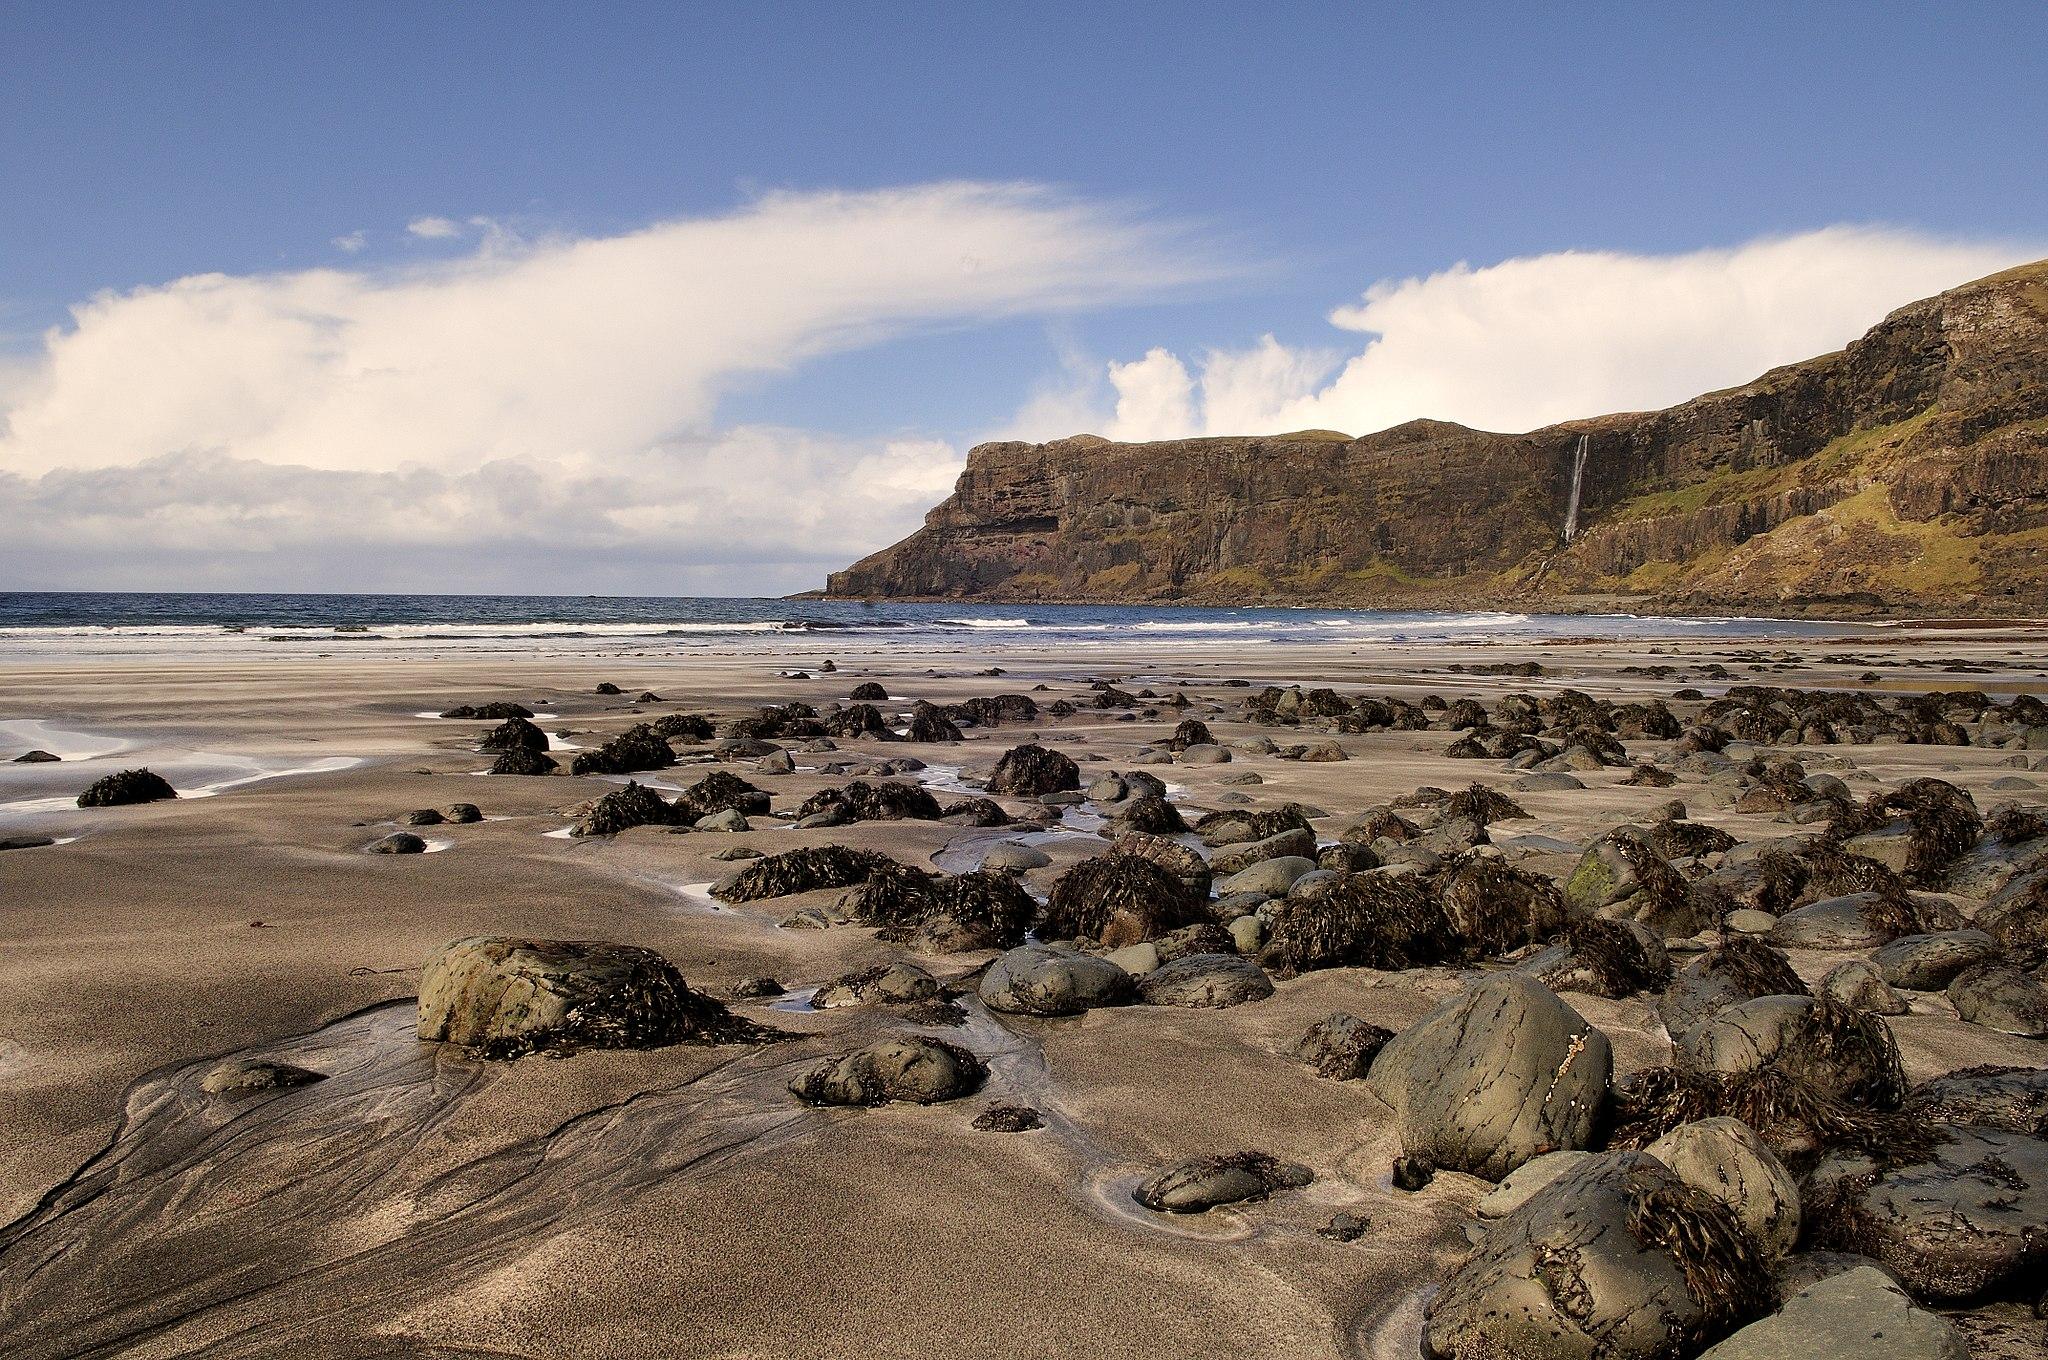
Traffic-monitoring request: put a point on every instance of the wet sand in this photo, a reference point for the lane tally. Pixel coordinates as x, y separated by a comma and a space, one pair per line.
678, 1201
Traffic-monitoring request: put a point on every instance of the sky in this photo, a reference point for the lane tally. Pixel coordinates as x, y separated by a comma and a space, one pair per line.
712, 299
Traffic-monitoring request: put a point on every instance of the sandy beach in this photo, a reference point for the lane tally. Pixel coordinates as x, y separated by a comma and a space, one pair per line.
677, 1200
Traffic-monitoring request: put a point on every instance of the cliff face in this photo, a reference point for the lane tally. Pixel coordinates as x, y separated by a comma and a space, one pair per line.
1908, 471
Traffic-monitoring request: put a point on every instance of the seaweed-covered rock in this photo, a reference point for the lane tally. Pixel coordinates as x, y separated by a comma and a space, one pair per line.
1963, 1222
621, 810
1494, 1076
1621, 874
524, 761
944, 913
1494, 908
513, 734
504, 997
1118, 899
1917, 830
1208, 981
885, 984
1991, 1097
1736, 968
1724, 1158
720, 791
1219, 829
1149, 815
1860, 920
1372, 920
1294, 842
1842, 1052
636, 748
397, 843
1859, 1314
1029, 771
795, 871
496, 711
128, 786
2001, 998
1181, 860
1202, 1183
1857, 983
1616, 1259
887, 801
913, 1069
686, 727
869, 692
1604, 958
1341, 1046
1008, 1119
1053, 980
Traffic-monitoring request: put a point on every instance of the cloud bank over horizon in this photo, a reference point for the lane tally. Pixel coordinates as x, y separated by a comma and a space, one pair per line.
544, 414
1539, 339
532, 406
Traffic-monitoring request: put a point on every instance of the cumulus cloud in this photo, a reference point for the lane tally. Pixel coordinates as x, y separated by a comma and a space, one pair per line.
1544, 338
433, 228
570, 384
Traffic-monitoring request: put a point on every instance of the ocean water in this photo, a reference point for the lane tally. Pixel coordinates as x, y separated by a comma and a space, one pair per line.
43, 623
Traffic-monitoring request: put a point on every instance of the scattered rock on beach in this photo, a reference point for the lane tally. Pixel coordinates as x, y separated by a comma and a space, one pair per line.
128, 786
912, 1069
36, 758
513, 734
1030, 771
240, 1075
1494, 1076
1211, 981
397, 843
1860, 1314
1341, 1046
1724, 1158
1202, 1183
1053, 980
505, 997
2002, 998
524, 761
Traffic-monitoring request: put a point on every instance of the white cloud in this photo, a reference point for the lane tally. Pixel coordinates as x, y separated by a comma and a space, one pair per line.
1547, 338
1154, 397
442, 405
351, 242
433, 228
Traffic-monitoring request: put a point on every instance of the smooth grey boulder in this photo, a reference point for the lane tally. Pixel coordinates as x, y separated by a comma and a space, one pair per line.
1852, 921
1724, 1158
1547, 781
1495, 1076
895, 984
1012, 858
1966, 1221
1038, 979
1234, 859
911, 1068
1857, 983
2001, 998
1209, 981
1523, 1183
1928, 963
1202, 1183
1272, 877
1601, 1264
1861, 1314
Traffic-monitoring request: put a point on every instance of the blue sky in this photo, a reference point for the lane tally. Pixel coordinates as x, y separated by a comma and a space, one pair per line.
1292, 156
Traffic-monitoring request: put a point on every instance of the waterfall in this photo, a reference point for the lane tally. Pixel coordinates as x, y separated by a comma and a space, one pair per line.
1571, 512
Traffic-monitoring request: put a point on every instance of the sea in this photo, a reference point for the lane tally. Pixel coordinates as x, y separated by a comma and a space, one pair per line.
42, 624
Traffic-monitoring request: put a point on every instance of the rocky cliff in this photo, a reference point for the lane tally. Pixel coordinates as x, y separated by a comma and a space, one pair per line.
1907, 472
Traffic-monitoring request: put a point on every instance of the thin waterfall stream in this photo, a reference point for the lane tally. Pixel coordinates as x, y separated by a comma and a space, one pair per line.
1571, 513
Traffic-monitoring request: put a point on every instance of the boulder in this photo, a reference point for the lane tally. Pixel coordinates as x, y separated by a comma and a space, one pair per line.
524, 761
238, 1076
397, 843
1296, 841
1860, 1314
1053, 980
1992, 1097
1861, 920
1495, 1076
37, 757
910, 1068
1012, 858
1962, 1222
1615, 1259
1735, 969
127, 786
1205, 981
895, 984
1724, 1158
1843, 1052
1928, 963
1270, 878
1522, 1184
1028, 771
2002, 998
1201, 1183
1118, 899
1341, 1046
506, 997
1857, 983
513, 734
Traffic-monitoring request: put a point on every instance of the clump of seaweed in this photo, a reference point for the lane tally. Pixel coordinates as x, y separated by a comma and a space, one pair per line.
1482, 805
1152, 815
1650, 777
1943, 820
888, 801
1687, 839
623, 809
1119, 899
1750, 965
2016, 825
636, 748
795, 871
513, 734
1609, 958
718, 791
1491, 907
1726, 1271
1364, 921
127, 786
1797, 1119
